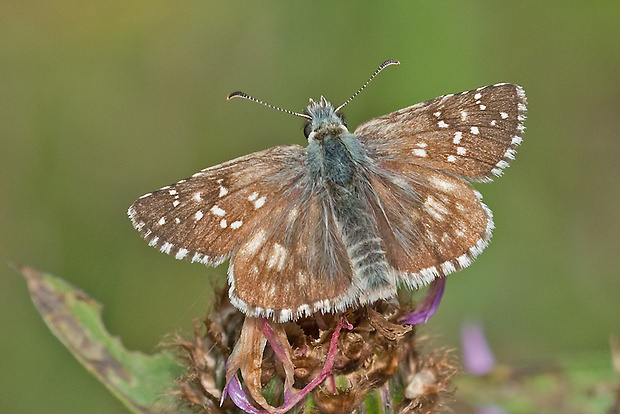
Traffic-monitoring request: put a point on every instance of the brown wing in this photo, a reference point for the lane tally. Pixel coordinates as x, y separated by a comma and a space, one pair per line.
431, 223
473, 134
204, 217
288, 259
294, 263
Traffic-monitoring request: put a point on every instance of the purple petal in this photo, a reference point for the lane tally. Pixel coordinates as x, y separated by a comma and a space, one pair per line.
428, 305
478, 358
490, 409
236, 393
238, 396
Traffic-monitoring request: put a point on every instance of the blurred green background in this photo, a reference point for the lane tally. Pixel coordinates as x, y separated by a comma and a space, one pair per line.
101, 102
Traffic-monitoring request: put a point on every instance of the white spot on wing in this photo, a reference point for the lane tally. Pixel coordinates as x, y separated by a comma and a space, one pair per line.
196, 197
304, 310
302, 278
199, 214
286, 315
428, 275
457, 137
278, 257
474, 130
478, 247
463, 260
502, 164
236, 224
461, 150
447, 268
292, 214
217, 211
162, 221
441, 184
259, 202
223, 192
442, 124
419, 152
165, 248
451, 158
223, 224
256, 242
504, 115
436, 209
253, 196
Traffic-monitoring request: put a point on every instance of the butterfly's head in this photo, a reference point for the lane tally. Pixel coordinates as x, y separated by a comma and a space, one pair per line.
323, 121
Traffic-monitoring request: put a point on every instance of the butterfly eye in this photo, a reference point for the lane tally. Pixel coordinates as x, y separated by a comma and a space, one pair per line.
307, 129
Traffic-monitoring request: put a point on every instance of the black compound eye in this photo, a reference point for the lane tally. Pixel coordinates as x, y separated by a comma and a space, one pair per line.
307, 130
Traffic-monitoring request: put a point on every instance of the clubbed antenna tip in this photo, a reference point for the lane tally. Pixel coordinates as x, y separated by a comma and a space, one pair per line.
243, 95
379, 69
251, 98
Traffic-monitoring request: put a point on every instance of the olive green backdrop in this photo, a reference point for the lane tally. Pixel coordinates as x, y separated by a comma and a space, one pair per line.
101, 102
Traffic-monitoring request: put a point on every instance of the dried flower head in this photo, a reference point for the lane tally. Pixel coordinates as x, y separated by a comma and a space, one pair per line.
325, 364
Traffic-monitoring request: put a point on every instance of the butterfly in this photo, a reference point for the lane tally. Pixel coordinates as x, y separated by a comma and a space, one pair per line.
351, 217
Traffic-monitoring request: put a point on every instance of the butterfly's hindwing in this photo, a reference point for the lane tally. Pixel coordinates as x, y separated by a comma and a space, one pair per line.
431, 223
294, 263
473, 134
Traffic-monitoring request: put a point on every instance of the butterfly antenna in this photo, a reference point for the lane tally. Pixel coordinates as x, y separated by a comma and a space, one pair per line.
379, 69
251, 98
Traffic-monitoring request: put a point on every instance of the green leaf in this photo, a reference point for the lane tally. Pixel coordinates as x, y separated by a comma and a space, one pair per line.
144, 383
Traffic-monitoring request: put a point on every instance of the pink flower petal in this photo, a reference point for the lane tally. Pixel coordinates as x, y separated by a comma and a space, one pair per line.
428, 305
478, 358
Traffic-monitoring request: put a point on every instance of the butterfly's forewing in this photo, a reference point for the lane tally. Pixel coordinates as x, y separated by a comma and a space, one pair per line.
473, 134
204, 217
